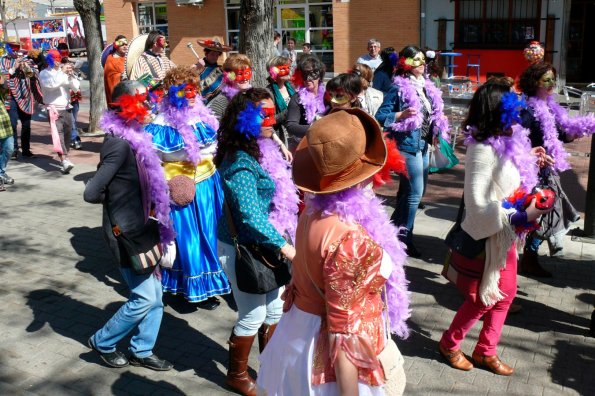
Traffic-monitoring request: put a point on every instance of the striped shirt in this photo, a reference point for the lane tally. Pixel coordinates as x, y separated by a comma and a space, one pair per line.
25, 90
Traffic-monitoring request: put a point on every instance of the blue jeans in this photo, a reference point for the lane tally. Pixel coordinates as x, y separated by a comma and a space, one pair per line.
142, 313
6, 149
16, 114
253, 309
532, 243
411, 189
74, 136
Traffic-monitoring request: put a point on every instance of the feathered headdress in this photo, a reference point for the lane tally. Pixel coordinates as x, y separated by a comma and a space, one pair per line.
297, 80
511, 105
249, 120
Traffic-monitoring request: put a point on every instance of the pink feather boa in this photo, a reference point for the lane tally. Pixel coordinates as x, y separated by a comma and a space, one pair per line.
412, 100
284, 209
313, 105
361, 206
184, 121
550, 114
516, 148
141, 144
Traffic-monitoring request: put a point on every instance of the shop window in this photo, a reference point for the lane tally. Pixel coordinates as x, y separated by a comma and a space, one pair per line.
499, 24
151, 15
305, 21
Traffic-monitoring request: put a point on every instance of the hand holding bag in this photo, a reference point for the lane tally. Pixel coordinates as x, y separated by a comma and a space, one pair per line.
258, 269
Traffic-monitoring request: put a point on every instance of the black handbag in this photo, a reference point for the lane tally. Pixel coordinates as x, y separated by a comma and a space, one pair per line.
259, 270
458, 240
142, 246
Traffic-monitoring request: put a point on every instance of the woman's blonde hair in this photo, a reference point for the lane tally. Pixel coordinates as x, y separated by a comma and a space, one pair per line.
181, 75
278, 61
236, 62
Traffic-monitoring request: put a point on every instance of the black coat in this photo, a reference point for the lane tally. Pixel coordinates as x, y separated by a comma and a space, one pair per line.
116, 185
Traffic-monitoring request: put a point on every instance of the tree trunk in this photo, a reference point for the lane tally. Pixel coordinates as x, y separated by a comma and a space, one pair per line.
89, 12
256, 36
3, 17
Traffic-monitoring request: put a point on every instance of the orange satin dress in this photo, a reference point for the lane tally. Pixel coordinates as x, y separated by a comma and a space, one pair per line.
343, 262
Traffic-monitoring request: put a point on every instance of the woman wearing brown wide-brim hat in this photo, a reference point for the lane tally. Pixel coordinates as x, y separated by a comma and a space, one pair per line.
345, 255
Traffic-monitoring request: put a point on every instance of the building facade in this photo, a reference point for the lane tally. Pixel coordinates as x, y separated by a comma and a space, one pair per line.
337, 29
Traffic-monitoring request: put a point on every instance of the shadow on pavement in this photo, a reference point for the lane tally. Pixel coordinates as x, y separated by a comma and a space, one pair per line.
178, 342
97, 259
565, 370
143, 386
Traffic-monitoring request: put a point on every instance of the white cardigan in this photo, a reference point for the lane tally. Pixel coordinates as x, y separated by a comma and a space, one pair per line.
488, 181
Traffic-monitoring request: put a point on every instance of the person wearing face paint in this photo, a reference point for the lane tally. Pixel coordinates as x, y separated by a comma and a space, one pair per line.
307, 105
279, 74
114, 65
550, 126
130, 185
184, 136
412, 112
263, 204
56, 81
237, 73
153, 60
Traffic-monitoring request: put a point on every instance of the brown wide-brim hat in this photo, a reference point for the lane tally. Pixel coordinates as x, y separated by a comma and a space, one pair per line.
214, 45
135, 49
339, 151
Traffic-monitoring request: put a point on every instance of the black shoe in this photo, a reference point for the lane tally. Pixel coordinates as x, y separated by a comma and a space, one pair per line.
421, 206
412, 251
113, 359
15, 155
151, 362
28, 154
209, 304
78, 145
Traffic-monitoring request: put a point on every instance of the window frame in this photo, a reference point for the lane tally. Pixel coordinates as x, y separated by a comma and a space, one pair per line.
153, 26
484, 22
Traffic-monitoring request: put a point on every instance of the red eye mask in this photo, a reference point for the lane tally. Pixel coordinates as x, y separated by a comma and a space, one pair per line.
244, 74
190, 91
161, 41
268, 115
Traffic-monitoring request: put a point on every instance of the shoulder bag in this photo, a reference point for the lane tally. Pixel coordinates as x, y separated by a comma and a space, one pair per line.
143, 246
259, 270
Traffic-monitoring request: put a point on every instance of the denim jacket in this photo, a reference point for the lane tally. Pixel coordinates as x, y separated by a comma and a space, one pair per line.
393, 103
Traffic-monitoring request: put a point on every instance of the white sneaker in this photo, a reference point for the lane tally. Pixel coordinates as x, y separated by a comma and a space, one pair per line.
67, 166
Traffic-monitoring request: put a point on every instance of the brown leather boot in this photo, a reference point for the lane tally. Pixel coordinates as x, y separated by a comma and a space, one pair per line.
264, 335
529, 265
492, 363
238, 378
455, 358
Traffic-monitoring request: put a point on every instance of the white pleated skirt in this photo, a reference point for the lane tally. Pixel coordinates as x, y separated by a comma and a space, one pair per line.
286, 362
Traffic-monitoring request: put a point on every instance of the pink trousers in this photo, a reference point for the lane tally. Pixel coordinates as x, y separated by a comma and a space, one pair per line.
493, 316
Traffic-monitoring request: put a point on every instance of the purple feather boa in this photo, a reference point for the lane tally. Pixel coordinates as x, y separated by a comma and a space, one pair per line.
516, 148
361, 206
184, 121
313, 105
141, 144
412, 100
551, 141
575, 127
284, 209
229, 90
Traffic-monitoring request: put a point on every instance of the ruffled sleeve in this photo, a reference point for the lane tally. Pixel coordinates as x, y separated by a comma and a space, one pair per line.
353, 282
165, 138
205, 134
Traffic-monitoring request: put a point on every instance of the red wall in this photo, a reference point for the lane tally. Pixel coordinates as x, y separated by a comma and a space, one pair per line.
510, 62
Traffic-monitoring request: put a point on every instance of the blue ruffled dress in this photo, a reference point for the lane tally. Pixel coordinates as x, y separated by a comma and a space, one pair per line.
196, 272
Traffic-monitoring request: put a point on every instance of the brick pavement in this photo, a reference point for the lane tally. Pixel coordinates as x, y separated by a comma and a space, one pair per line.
59, 286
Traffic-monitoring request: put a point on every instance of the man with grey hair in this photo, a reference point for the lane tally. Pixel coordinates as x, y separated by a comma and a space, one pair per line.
372, 58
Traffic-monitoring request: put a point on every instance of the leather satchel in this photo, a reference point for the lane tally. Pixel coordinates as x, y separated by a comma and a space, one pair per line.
258, 269
458, 240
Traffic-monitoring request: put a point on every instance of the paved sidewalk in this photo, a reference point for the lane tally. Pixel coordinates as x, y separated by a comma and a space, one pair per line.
59, 286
